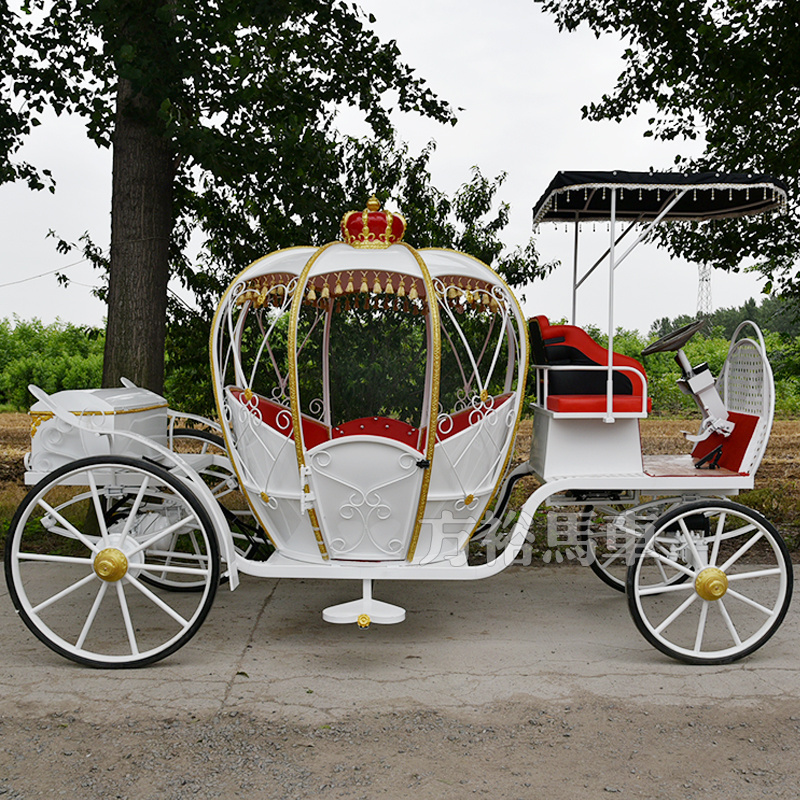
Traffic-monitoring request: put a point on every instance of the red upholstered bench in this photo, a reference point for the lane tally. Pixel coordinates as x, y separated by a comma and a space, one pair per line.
279, 418
574, 389
386, 427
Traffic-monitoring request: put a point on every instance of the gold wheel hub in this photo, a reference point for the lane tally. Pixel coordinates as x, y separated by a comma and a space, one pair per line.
110, 564
711, 583
363, 621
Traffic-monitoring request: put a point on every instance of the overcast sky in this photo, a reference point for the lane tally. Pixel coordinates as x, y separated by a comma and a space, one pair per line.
521, 85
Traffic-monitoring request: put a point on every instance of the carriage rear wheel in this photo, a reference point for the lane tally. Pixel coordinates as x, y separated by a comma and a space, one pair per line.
737, 587
82, 546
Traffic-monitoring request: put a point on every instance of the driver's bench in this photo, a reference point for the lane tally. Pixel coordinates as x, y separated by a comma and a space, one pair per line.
572, 373
571, 430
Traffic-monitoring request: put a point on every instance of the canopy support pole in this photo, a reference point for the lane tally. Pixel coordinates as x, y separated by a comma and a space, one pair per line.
609, 417
575, 275
664, 211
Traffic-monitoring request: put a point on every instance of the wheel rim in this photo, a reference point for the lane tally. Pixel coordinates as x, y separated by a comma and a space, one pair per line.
737, 587
81, 546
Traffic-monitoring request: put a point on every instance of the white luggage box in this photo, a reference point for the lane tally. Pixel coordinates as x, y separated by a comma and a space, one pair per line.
54, 442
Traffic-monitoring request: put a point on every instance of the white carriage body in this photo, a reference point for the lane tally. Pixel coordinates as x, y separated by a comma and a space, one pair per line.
397, 492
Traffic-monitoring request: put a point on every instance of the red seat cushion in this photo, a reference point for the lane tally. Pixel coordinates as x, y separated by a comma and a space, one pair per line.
595, 403
386, 427
279, 418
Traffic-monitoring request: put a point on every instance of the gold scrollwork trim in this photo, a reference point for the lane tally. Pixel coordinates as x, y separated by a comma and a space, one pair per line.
38, 417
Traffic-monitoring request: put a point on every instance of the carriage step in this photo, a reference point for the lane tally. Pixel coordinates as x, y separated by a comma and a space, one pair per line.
364, 611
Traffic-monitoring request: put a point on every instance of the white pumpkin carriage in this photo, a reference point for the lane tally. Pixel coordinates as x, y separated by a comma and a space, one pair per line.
369, 396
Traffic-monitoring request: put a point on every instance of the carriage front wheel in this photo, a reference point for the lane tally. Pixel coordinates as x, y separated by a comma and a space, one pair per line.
82, 547
737, 586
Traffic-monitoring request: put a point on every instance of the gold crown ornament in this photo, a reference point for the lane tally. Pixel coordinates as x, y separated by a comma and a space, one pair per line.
372, 228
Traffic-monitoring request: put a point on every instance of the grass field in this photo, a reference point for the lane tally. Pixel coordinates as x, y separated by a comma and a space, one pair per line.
776, 493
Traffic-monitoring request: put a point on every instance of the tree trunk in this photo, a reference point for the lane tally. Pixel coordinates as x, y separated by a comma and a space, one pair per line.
141, 223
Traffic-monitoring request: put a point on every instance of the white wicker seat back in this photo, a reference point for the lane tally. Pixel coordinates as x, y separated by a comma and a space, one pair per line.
746, 386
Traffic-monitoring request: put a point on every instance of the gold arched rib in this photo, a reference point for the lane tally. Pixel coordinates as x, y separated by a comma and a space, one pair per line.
433, 309
294, 389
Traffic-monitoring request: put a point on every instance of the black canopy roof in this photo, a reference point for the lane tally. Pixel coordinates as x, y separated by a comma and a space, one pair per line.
581, 196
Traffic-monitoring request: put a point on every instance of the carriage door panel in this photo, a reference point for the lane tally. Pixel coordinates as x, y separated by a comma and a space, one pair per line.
366, 494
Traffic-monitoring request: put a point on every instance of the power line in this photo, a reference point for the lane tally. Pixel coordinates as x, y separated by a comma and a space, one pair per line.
43, 274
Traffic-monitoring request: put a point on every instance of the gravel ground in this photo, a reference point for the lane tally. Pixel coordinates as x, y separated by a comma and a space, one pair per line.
587, 749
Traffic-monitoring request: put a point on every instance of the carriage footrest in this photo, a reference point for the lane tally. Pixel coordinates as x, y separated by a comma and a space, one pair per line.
364, 611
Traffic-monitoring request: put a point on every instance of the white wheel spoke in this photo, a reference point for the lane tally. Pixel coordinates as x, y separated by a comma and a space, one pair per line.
699, 562
201, 558
741, 551
662, 588
756, 573
739, 531
157, 600
191, 519
101, 593
50, 559
729, 623
63, 593
168, 555
701, 627
661, 571
126, 615
612, 557
135, 508
717, 540
84, 540
98, 509
676, 613
165, 572
670, 563
750, 602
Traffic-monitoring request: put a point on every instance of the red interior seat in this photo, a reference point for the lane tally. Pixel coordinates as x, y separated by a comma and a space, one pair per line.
579, 390
387, 427
279, 418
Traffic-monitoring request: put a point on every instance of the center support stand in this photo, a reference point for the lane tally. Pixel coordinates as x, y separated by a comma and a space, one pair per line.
364, 611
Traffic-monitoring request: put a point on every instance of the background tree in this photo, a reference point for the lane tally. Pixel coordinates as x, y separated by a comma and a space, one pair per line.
221, 117
723, 71
472, 220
